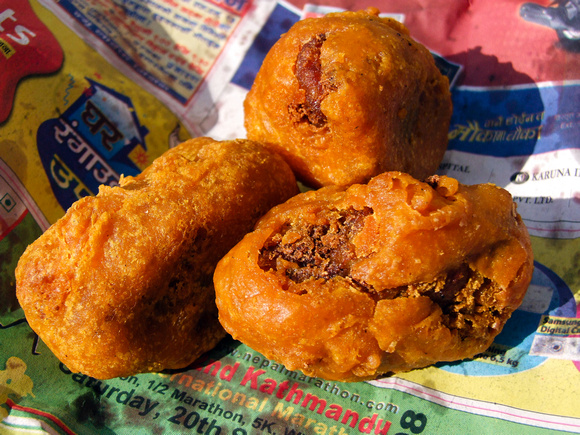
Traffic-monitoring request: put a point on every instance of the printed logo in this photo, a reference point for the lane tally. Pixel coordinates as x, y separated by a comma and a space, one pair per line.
520, 177
90, 144
26, 47
12, 210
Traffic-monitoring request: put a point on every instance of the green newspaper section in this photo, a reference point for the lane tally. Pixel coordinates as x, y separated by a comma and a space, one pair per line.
231, 390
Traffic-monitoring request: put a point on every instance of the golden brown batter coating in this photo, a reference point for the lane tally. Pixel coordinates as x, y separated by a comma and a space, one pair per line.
348, 96
122, 284
349, 284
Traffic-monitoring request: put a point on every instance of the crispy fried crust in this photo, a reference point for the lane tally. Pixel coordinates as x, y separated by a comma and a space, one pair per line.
348, 96
385, 277
122, 284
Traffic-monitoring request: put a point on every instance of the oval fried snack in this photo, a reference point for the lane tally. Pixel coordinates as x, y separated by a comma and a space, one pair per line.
348, 96
349, 284
122, 284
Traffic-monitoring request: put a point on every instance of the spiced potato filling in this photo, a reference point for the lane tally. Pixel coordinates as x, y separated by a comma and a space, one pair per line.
308, 72
303, 251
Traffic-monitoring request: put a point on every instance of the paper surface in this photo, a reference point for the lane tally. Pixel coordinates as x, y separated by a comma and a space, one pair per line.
166, 70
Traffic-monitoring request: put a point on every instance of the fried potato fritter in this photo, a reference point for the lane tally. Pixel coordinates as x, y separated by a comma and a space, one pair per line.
348, 96
396, 274
122, 284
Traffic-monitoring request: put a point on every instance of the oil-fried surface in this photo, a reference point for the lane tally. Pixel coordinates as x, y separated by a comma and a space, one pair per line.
349, 284
123, 282
349, 96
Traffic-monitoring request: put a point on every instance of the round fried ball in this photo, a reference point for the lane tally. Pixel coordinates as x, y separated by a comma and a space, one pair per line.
348, 96
396, 274
122, 284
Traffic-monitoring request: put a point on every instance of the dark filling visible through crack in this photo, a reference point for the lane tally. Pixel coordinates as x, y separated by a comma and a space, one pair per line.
326, 251
308, 72
321, 251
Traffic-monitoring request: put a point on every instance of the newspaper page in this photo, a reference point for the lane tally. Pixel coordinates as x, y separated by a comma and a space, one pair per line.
172, 69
